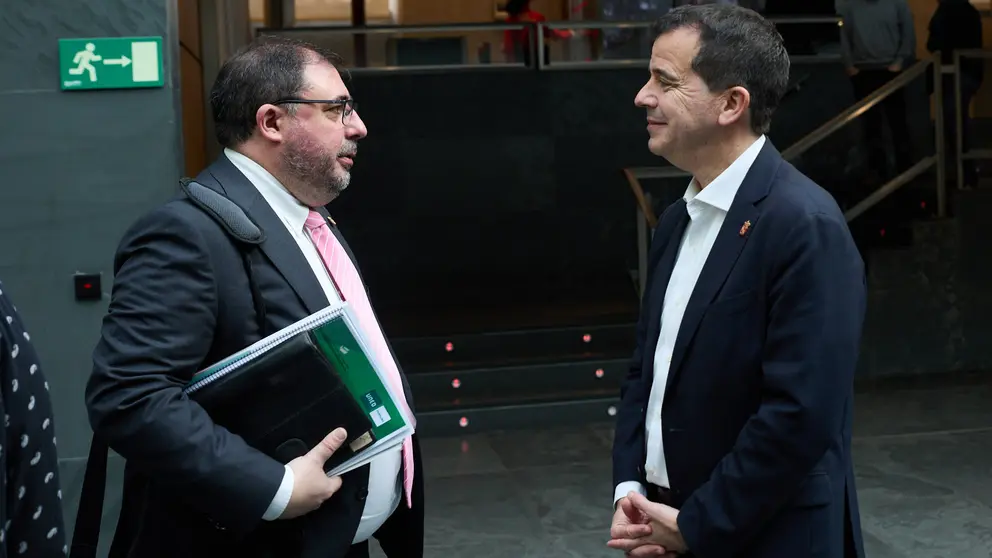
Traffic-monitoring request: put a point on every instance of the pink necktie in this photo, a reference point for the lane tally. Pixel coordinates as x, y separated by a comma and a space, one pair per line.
352, 290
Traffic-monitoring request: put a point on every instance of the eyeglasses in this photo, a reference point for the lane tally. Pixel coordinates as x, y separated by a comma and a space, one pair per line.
350, 105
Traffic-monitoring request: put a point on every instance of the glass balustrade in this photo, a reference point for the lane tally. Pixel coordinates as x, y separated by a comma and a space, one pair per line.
562, 45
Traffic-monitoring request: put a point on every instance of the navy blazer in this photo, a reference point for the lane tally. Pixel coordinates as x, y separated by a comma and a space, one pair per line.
181, 301
757, 407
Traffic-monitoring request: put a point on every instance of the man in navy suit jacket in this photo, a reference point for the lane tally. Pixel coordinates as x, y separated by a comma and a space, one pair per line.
733, 437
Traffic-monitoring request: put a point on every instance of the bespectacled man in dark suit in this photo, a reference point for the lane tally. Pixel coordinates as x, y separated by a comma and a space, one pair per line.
182, 299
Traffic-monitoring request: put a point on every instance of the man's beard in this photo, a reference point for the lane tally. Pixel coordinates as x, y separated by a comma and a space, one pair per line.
312, 167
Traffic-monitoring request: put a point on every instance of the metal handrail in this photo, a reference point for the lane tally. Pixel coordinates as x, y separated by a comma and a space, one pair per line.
891, 186
634, 174
562, 65
785, 20
972, 154
397, 29
856, 110
642, 199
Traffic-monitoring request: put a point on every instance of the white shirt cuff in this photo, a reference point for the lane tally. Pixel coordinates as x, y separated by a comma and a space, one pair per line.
626, 488
281, 499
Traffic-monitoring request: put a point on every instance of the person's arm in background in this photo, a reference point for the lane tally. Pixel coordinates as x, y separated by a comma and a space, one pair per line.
846, 29
31, 513
972, 31
935, 29
907, 35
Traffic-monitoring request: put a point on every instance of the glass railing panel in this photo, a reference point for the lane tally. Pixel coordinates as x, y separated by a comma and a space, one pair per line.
395, 48
968, 100
572, 44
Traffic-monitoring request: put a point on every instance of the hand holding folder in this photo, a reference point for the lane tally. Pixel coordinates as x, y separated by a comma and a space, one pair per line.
311, 486
284, 393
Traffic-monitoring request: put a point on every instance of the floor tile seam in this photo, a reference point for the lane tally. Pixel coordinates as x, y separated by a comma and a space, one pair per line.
924, 433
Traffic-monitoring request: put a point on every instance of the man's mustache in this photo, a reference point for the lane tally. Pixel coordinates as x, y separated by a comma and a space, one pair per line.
349, 149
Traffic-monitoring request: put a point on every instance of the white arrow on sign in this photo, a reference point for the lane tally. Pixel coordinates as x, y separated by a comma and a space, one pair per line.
123, 61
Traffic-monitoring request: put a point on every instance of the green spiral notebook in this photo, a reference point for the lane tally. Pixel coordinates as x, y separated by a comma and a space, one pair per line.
336, 334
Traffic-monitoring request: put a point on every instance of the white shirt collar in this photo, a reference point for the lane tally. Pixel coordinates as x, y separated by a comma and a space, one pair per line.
721, 192
293, 213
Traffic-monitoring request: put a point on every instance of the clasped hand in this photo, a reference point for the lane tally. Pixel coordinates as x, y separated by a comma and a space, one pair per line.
643, 528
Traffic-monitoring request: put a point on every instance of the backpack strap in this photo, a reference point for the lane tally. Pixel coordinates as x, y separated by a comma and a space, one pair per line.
248, 236
227, 213
239, 226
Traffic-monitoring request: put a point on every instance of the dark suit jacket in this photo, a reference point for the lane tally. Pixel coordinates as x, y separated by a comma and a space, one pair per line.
180, 302
757, 409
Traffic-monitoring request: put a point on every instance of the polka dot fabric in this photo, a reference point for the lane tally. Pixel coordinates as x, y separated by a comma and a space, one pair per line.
31, 521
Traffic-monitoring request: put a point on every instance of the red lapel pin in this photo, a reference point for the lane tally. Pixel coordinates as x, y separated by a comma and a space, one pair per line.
745, 227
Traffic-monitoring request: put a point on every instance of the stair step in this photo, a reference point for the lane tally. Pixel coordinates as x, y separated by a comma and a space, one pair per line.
449, 390
544, 414
520, 347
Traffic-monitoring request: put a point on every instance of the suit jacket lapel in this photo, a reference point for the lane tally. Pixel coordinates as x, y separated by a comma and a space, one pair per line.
726, 249
279, 247
668, 236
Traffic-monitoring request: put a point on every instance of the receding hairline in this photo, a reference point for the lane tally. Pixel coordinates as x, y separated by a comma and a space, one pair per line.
326, 57
315, 60
312, 55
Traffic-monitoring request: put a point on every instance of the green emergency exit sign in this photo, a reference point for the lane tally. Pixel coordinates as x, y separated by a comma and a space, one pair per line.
111, 63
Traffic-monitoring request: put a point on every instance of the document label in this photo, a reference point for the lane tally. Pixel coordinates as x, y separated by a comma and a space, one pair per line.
380, 416
377, 411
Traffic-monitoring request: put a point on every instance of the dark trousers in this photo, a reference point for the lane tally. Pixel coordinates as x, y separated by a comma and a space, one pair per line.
893, 107
360, 550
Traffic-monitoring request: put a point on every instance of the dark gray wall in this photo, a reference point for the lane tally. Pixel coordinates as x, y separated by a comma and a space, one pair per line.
77, 168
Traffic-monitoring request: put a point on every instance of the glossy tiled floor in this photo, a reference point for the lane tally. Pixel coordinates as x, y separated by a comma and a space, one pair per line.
924, 464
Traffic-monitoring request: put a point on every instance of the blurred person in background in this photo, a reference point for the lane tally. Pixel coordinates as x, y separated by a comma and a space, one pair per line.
878, 42
31, 514
516, 42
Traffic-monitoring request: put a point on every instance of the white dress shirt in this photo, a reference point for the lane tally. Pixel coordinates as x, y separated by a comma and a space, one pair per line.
707, 209
384, 480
